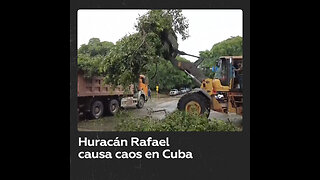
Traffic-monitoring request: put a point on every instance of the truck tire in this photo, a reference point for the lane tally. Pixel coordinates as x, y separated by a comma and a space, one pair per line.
96, 109
194, 102
140, 103
113, 107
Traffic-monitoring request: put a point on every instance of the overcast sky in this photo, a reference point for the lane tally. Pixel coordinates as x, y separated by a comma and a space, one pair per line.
206, 27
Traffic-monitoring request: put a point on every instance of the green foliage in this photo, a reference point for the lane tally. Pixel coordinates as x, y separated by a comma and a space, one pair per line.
167, 77
95, 47
179, 58
91, 66
127, 59
177, 121
158, 21
131, 55
92, 55
228, 47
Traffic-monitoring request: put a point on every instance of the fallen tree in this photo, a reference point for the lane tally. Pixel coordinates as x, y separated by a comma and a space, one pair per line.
130, 55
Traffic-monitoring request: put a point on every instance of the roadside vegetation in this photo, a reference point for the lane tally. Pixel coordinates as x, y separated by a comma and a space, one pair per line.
177, 121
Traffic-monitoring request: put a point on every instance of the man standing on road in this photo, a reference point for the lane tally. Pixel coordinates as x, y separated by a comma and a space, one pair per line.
149, 93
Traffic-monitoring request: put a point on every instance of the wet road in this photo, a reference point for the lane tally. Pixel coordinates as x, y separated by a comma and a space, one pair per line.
156, 108
161, 107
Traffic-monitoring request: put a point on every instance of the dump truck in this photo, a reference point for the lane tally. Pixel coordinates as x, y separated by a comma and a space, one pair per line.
96, 99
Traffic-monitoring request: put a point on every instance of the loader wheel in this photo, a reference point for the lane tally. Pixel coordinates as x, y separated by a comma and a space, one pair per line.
194, 102
113, 107
140, 103
97, 109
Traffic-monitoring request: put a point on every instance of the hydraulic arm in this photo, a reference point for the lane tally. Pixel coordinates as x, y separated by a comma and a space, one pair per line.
171, 46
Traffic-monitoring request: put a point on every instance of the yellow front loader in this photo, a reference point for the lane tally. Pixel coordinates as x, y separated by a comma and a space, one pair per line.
226, 83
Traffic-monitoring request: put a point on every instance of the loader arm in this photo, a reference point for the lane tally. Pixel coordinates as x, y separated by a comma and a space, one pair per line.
170, 46
200, 99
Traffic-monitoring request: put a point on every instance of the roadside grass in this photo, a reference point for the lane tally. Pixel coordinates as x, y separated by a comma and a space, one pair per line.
102, 124
177, 121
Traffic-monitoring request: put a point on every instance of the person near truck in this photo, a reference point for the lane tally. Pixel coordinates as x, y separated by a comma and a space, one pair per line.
149, 93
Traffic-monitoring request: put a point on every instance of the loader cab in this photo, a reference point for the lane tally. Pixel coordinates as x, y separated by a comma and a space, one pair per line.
226, 73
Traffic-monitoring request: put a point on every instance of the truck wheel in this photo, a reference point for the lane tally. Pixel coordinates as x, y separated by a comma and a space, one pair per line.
113, 107
97, 109
140, 103
194, 102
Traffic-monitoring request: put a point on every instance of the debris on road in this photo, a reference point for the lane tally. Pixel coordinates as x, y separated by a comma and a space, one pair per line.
150, 110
